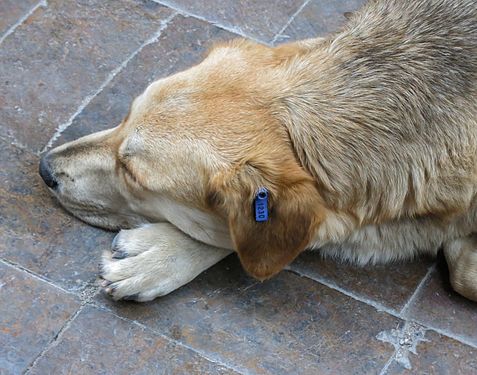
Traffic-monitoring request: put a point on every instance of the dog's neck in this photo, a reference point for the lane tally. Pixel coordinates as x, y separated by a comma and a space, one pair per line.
317, 109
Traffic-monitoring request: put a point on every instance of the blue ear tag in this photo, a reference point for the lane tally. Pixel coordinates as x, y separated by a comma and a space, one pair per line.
261, 205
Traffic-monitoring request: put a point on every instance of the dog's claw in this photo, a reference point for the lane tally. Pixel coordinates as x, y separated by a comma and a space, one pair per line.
110, 290
114, 244
106, 283
119, 254
132, 297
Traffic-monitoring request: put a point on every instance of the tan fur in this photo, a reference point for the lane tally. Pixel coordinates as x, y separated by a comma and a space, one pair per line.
366, 140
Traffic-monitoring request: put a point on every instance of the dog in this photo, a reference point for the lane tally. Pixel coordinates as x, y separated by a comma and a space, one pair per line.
363, 144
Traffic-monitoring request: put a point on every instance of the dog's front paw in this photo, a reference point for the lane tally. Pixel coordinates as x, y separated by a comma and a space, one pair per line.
142, 264
152, 261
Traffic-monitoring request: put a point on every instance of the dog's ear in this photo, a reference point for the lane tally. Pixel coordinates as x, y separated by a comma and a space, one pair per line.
264, 248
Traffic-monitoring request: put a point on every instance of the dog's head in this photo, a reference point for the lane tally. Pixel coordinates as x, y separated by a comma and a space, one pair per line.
195, 148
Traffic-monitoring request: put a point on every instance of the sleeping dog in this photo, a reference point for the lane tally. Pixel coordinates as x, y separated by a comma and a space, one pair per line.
362, 145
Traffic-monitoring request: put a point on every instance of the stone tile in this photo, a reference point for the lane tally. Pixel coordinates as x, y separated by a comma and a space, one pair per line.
36, 233
31, 315
286, 325
438, 306
11, 11
97, 342
257, 19
63, 53
439, 355
389, 285
181, 45
318, 18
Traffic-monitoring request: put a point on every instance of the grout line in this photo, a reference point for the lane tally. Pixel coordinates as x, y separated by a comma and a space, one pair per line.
56, 339
42, 3
384, 370
418, 289
170, 339
292, 18
377, 306
85, 301
20, 268
231, 29
109, 78
401, 315
364, 300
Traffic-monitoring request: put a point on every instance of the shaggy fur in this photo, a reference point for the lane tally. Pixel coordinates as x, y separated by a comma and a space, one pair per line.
366, 141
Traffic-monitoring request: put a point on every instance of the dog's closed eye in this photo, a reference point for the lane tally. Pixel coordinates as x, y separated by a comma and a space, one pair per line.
127, 170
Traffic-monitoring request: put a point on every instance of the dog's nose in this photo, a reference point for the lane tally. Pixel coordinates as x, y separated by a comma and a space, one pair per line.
46, 174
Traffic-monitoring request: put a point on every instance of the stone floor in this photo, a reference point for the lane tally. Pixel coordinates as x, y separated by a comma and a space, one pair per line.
72, 67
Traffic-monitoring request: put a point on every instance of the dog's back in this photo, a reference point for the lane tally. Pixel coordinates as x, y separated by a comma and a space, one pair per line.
404, 119
397, 88
424, 45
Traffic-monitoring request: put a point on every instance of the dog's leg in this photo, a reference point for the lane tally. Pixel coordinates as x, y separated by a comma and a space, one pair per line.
154, 260
461, 256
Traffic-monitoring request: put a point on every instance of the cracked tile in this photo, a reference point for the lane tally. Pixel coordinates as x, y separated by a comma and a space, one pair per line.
98, 342
289, 324
438, 306
62, 54
31, 314
405, 341
438, 354
38, 234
